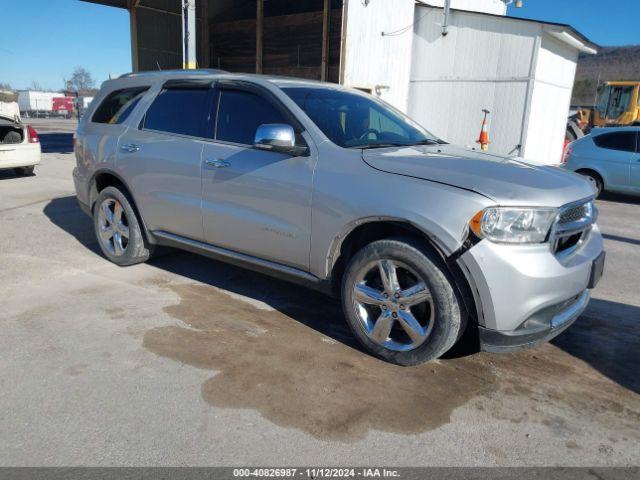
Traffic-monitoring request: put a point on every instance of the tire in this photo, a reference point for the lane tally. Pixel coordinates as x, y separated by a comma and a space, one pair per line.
122, 242
441, 318
595, 179
25, 171
12, 138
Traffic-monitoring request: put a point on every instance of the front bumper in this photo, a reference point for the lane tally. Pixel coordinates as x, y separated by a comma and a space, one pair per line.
508, 341
525, 294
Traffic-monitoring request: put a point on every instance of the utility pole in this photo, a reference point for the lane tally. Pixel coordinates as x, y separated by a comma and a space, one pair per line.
189, 61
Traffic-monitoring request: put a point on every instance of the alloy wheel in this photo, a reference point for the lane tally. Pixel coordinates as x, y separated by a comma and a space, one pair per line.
393, 304
113, 227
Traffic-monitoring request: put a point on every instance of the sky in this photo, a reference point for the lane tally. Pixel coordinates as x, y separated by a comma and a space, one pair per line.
604, 22
44, 40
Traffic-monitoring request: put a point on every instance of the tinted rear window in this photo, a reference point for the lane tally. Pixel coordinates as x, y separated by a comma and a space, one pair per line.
240, 114
118, 105
181, 111
624, 141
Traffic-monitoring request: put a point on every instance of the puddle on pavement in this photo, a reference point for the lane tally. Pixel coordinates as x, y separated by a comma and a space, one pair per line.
296, 364
276, 364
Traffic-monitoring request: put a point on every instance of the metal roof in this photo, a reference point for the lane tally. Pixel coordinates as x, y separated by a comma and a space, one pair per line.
110, 3
562, 31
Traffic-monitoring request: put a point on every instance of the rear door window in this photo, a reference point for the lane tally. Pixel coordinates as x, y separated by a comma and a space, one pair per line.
118, 105
622, 141
240, 113
181, 111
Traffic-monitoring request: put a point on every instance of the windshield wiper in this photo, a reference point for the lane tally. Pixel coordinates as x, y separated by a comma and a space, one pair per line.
380, 145
428, 141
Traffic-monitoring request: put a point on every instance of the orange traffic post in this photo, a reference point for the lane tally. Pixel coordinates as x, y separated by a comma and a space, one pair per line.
484, 132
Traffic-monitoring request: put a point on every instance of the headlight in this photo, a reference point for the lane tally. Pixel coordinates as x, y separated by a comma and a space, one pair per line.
513, 225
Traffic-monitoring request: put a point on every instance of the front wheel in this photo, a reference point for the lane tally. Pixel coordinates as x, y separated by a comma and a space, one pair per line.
117, 229
400, 303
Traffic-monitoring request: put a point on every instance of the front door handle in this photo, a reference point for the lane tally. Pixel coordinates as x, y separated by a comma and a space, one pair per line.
130, 148
217, 163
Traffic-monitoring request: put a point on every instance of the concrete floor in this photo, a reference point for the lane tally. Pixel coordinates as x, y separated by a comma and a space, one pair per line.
187, 361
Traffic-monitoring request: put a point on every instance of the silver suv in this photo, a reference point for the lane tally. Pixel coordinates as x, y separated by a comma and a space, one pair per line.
333, 188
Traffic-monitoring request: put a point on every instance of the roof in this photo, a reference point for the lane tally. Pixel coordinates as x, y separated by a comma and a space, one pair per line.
561, 31
212, 72
110, 3
164, 73
160, 76
623, 83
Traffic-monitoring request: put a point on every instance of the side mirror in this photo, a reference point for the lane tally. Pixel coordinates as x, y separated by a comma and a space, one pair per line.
276, 137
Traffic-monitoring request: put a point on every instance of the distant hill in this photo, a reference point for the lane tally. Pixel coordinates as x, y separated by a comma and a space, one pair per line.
612, 63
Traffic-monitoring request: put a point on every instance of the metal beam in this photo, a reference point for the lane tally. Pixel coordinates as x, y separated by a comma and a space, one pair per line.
189, 58
133, 29
206, 54
259, 34
324, 67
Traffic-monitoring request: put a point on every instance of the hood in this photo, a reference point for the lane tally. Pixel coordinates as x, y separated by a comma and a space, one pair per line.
506, 180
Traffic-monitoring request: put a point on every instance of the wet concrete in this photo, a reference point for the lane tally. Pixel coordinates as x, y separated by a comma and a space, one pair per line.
297, 377
277, 361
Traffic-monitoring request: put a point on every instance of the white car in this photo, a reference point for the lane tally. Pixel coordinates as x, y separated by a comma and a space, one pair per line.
19, 145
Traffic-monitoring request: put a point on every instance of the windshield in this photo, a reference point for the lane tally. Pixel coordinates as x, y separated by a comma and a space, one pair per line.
614, 101
619, 101
357, 120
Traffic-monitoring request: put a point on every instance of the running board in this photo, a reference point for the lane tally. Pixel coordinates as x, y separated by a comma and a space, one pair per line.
242, 260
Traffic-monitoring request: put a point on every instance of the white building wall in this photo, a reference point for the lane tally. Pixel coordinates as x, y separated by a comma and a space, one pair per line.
373, 60
513, 68
484, 62
497, 7
550, 102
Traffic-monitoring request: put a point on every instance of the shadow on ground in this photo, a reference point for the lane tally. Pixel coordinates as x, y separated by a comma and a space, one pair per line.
66, 214
620, 198
56, 142
285, 351
607, 338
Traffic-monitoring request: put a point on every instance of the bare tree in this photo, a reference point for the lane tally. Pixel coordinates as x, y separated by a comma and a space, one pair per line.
5, 86
80, 81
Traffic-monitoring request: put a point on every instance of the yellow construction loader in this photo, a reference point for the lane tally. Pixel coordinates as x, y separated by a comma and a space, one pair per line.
618, 105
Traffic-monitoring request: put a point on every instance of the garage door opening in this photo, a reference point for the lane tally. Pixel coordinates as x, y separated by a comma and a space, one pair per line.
277, 37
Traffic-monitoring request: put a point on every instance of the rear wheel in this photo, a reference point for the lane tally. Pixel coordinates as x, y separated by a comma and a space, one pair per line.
400, 303
117, 229
25, 171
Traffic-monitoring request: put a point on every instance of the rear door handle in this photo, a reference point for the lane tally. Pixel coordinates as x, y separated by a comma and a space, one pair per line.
130, 148
217, 163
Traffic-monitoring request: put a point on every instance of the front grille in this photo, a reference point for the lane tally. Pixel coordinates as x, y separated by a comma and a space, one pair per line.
573, 214
572, 226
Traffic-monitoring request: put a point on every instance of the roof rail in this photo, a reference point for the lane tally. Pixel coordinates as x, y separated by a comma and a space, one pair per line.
156, 73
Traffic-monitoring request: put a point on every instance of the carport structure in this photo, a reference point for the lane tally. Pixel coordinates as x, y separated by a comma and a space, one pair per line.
280, 37
521, 70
